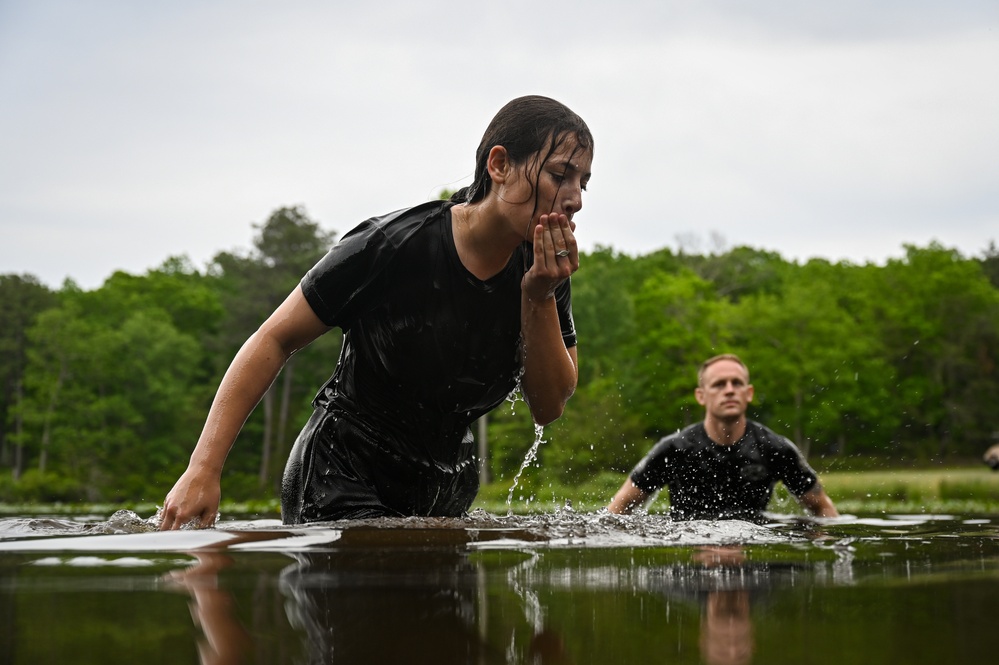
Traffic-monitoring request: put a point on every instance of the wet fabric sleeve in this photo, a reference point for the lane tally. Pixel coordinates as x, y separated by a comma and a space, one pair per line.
652, 473
789, 465
335, 286
563, 301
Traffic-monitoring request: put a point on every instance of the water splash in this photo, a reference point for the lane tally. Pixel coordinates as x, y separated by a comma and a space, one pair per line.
532, 454
121, 522
840, 539
515, 396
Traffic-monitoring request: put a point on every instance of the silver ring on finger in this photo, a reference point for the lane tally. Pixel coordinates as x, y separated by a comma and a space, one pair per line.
562, 253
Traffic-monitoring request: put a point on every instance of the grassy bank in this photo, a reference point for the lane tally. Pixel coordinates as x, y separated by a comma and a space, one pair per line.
962, 491
957, 490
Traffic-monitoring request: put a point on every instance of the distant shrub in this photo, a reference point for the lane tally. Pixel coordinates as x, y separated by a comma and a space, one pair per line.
245, 487
961, 490
47, 487
7, 489
845, 490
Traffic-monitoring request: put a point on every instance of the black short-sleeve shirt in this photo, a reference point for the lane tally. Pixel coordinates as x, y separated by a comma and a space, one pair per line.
710, 481
428, 347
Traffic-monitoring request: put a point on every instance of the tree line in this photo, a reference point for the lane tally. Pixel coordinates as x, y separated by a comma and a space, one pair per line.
103, 392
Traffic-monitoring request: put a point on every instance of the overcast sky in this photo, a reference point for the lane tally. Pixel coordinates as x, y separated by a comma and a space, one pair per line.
134, 131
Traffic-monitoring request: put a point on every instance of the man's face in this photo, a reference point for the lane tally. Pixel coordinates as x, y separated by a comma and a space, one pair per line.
725, 392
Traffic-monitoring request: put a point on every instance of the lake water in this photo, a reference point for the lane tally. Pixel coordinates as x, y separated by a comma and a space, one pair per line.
559, 588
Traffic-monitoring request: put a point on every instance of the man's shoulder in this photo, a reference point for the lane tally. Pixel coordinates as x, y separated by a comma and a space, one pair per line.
665, 457
690, 436
767, 437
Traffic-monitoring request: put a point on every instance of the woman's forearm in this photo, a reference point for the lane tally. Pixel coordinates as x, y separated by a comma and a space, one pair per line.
292, 326
196, 494
249, 376
550, 370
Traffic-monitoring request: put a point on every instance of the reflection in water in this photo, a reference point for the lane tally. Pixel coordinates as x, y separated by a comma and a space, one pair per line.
726, 629
226, 641
434, 604
365, 602
545, 589
363, 606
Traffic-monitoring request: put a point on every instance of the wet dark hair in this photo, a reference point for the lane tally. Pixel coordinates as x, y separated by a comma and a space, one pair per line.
526, 127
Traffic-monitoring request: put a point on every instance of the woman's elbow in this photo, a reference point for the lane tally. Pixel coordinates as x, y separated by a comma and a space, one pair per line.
545, 412
547, 416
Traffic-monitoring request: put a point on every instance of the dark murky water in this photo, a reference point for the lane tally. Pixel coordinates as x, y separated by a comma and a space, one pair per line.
562, 588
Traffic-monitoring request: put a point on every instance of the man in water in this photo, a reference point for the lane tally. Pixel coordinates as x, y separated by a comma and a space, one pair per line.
725, 467
991, 457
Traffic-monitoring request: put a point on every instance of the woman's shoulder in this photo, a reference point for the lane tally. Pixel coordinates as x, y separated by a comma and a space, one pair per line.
373, 242
400, 224
359, 267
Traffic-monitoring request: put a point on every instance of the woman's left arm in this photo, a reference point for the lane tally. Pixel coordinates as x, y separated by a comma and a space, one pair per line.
550, 369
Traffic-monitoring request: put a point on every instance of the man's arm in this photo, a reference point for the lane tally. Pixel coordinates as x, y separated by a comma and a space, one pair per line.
629, 497
991, 457
818, 503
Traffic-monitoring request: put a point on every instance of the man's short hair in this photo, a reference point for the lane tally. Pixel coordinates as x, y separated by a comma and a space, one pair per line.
713, 359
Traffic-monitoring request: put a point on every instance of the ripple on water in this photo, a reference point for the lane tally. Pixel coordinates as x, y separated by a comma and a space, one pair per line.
479, 529
564, 528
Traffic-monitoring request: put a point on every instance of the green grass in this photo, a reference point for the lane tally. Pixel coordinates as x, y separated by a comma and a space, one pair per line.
957, 490
963, 491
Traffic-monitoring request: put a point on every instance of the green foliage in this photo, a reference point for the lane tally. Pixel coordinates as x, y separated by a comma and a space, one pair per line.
251, 286
44, 487
972, 489
604, 313
817, 373
681, 320
240, 486
957, 490
104, 392
22, 299
990, 263
595, 434
741, 272
936, 317
511, 434
107, 394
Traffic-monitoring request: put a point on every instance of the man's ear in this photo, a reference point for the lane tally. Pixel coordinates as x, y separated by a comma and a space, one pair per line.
749, 393
498, 164
699, 395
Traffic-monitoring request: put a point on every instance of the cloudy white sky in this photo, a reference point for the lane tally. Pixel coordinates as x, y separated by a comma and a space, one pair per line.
133, 131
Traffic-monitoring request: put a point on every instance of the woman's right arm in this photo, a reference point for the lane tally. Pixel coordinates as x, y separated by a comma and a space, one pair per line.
196, 495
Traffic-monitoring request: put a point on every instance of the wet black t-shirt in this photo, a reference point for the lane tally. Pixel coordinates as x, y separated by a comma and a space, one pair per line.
711, 481
428, 347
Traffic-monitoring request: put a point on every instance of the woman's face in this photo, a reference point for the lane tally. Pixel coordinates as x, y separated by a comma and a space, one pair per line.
558, 188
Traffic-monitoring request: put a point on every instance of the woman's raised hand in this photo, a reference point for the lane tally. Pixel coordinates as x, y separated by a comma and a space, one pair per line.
556, 256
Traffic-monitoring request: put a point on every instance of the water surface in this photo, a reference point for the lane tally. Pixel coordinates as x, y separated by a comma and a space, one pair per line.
558, 588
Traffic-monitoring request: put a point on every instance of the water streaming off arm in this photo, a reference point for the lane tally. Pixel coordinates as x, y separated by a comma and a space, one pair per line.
529, 458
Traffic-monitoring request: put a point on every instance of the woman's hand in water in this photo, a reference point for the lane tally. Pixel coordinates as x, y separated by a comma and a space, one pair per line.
193, 500
556, 256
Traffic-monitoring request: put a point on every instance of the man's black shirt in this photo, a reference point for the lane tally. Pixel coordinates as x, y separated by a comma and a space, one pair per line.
711, 481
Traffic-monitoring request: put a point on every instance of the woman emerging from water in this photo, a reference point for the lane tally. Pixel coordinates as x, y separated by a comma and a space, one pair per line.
444, 307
